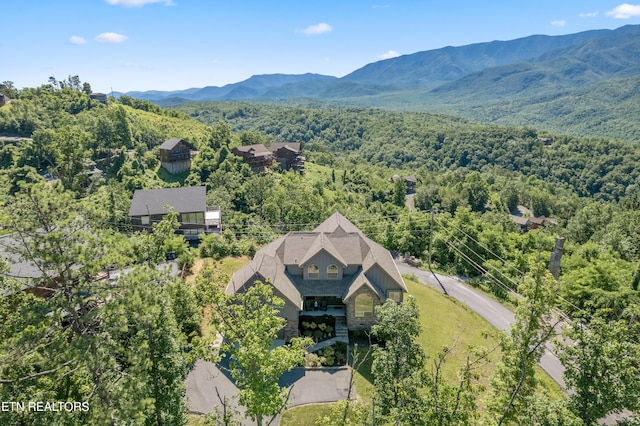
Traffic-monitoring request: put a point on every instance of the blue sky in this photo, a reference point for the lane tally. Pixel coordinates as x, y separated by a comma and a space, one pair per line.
129, 45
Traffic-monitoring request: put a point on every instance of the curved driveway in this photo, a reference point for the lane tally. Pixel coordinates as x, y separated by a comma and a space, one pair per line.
496, 314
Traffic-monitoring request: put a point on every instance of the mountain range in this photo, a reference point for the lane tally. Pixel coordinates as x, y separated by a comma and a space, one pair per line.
545, 81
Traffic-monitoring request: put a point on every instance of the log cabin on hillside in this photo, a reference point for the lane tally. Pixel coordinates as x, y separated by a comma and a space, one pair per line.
176, 155
257, 156
288, 155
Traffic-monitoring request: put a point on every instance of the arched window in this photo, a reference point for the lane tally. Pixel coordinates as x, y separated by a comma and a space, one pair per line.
313, 271
364, 305
332, 272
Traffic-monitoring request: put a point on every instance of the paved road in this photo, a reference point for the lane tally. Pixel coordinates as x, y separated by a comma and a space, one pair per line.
496, 314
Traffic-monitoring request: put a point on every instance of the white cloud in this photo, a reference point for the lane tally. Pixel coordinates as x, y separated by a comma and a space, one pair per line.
625, 11
77, 40
111, 38
317, 29
589, 14
559, 23
390, 54
138, 3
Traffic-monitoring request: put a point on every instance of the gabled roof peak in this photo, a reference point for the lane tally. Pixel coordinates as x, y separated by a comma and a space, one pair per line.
335, 222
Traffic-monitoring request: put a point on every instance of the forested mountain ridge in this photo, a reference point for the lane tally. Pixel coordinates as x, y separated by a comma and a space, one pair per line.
581, 84
254, 87
451, 63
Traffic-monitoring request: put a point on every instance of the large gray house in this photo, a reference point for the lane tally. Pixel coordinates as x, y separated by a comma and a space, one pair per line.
334, 269
150, 206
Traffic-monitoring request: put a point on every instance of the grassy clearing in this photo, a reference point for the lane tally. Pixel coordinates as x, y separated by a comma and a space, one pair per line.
167, 177
228, 266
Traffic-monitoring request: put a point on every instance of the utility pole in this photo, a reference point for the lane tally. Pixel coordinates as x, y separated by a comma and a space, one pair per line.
430, 236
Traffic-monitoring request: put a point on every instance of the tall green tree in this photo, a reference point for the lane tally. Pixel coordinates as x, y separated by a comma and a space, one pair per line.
76, 336
146, 339
399, 364
249, 323
513, 383
602, 370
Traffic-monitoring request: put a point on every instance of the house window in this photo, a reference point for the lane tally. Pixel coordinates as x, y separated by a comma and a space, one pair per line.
192, 218
313, 272
332, 272
364, 305
395, 295
144, 220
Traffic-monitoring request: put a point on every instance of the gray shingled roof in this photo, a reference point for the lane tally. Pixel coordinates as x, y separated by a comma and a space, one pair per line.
294, 146
338, 237
18, 267
336, 221
257, 149
171, 143
182, 200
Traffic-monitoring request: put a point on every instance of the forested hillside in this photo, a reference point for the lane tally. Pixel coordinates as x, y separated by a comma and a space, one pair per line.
125, 345
598, 168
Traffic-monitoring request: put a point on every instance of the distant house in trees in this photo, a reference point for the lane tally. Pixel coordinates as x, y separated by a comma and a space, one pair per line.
152, 205
333, 271
409, 181
257, 156
546, 141
522, 222
288, 155
532, 222
100, 97
4, 99
176, 155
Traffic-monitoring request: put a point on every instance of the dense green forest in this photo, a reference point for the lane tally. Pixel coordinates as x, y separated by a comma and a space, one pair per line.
126, 347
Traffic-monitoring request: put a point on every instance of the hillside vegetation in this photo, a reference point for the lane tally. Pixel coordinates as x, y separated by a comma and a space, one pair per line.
599, 168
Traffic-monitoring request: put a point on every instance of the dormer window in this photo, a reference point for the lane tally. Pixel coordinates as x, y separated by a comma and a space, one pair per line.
313, 272
332, 272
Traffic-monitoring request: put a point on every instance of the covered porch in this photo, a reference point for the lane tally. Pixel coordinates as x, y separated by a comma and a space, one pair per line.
317, 306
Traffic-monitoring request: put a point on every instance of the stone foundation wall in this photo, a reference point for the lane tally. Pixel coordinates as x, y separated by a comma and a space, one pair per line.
291, 329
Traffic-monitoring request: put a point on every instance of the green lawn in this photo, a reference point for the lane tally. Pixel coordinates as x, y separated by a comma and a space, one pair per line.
305, 415
445, 322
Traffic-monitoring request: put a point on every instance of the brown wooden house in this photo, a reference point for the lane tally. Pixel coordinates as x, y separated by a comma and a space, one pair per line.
409, 181
176, 155
257, 156
288, 155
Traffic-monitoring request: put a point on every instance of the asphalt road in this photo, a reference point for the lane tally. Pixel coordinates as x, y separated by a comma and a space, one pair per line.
496, 314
